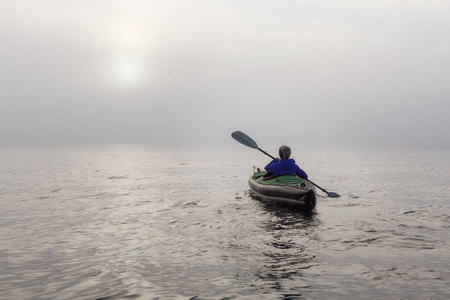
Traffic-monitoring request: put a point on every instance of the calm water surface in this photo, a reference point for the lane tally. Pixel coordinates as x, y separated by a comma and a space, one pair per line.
135, 222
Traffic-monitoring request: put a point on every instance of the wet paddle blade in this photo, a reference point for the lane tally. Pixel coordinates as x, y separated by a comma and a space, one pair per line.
333, 195
244, 139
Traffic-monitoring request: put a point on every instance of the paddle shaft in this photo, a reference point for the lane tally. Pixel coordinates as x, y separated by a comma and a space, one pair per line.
318, 186
266, 153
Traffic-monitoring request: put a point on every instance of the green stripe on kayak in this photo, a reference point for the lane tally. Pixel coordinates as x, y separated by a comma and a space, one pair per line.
289, 180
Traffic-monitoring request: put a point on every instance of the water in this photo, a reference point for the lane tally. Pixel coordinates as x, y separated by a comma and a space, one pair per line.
136, 222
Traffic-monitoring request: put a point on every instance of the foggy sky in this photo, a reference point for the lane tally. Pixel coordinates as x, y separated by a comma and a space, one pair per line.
191, 72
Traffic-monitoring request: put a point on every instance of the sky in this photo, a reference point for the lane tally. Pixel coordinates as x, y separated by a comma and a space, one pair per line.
173, 72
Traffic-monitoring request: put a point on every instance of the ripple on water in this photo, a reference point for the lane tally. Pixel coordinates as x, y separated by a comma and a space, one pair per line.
117, 225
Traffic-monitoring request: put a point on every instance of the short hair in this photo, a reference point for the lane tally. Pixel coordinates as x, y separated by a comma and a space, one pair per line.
285, 152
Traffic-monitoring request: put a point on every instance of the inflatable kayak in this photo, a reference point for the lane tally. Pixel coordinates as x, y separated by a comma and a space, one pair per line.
287, 189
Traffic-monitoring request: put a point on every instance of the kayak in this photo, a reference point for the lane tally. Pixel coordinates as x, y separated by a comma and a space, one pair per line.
286, 189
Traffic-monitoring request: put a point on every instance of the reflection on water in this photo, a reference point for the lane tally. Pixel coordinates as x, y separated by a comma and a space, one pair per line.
132, 222
291, 232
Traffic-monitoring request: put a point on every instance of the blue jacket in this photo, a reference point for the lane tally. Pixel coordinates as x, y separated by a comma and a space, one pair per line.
284, 167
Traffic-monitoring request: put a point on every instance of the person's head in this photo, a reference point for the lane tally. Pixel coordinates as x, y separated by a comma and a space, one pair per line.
285, 152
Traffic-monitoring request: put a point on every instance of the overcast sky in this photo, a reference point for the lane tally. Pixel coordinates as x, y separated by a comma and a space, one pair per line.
373, 72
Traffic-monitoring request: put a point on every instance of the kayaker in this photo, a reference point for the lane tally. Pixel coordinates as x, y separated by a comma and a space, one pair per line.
284, 165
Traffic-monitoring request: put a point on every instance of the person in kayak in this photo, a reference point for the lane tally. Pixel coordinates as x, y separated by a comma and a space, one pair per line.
284, 165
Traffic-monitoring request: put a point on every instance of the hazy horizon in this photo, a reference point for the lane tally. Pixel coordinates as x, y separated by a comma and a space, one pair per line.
190, 73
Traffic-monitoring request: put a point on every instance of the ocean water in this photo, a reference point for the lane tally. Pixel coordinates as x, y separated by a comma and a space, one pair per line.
137, 222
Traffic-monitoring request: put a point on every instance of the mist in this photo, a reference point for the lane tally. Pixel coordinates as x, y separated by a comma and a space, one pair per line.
372, 73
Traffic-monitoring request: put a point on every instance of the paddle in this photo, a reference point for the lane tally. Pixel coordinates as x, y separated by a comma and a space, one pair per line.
249, 142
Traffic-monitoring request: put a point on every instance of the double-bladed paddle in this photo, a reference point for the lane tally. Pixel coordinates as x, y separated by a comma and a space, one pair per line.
249, 142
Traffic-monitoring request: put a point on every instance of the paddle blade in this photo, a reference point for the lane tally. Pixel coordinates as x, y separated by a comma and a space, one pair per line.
333, 195
244, 139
